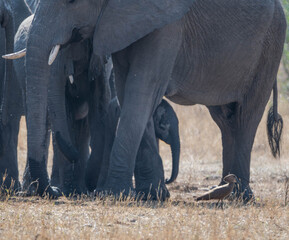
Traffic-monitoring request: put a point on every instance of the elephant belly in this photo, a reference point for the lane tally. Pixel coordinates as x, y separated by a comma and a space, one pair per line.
214, 88
220, 53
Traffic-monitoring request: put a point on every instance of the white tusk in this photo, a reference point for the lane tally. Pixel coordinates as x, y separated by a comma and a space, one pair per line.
53, 54
16, 55
71, 79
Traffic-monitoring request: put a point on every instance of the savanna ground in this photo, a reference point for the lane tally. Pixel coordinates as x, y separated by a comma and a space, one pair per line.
180, 217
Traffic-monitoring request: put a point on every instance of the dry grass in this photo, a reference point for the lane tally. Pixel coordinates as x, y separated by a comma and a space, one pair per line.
180, 217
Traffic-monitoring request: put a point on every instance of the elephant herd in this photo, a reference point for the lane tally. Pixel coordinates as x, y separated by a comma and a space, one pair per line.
95, 72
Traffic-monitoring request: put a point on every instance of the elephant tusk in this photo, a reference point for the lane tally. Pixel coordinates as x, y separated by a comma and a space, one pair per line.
53, 54
71, 79
15, 55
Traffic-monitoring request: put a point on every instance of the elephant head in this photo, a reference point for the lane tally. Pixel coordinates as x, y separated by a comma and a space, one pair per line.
167, 129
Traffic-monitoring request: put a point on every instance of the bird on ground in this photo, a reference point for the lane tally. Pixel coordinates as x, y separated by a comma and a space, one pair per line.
220, 192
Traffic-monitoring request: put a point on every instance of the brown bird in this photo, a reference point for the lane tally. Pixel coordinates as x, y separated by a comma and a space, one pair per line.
220, 192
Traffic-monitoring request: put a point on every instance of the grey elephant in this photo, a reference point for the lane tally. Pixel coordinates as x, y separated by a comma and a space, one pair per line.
212, 52
76, 61
12, 14
68, 108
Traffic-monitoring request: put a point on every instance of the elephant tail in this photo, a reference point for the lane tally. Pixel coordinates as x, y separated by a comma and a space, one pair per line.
274, 124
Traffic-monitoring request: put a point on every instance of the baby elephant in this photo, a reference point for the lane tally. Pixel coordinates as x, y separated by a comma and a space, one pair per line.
167, 129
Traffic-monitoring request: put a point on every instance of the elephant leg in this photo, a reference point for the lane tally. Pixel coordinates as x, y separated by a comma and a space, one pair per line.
149, 172
238, 135
224, 118
8, 154
238, 123
27, 183
82, 141
94, 162
110, 129
71, 174
143, 90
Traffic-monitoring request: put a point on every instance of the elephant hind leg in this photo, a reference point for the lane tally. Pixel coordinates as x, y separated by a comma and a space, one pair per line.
239, 121
238, 133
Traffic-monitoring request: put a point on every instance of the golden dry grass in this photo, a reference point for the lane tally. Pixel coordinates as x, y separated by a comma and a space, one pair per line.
180, 217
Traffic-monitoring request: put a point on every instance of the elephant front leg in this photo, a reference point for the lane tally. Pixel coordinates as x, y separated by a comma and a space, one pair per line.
141, 84
139, 103
149, 172
94, 162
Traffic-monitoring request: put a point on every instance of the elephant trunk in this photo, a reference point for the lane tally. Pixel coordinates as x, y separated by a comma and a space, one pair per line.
37, 73
57, 111
37, 79
175, 149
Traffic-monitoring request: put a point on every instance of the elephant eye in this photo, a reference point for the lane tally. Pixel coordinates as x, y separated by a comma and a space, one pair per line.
71, 1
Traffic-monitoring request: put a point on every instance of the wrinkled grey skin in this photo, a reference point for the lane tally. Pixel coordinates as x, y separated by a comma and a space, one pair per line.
223, 54
11, 15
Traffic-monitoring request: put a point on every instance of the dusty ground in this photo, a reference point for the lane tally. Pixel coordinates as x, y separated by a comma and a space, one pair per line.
180, 217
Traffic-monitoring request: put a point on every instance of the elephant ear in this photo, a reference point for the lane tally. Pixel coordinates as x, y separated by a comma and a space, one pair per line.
126, 21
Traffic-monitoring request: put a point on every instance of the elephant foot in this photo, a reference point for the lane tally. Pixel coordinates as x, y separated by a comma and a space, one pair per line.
40, 181
160, 193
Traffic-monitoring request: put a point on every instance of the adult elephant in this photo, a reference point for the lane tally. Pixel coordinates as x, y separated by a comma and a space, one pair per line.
220, 53
12, 14
71, 91
79, 92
